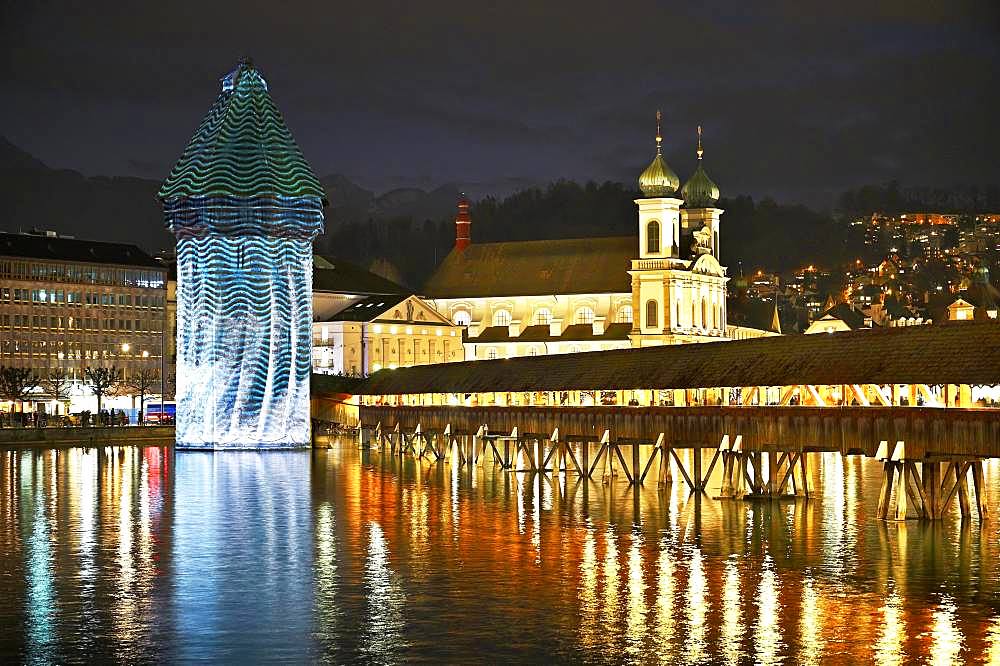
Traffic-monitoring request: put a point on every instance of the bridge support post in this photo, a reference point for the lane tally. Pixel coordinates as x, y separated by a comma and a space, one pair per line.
982, 496
666, 476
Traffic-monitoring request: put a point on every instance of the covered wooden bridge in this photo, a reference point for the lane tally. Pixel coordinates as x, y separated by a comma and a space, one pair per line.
922, 399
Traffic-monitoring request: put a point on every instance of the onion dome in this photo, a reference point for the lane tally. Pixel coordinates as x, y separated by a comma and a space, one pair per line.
700, 191
658, 180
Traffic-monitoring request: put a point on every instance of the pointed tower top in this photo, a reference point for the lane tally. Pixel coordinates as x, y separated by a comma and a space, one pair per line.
243, 148
700, 191
659, 137
658, 180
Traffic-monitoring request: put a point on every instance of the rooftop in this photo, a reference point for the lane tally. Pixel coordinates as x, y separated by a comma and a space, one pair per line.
60, 248
242, 148
342, 277
956, 353
535, 268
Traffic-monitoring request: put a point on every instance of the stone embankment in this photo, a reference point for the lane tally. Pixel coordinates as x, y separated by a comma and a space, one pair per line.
60, 437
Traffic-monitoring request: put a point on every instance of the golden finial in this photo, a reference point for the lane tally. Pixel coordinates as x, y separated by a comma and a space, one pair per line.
700, 151
659, 139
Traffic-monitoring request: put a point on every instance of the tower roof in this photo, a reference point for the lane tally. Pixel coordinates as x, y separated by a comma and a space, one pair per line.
658, 180
699, 191
242, 148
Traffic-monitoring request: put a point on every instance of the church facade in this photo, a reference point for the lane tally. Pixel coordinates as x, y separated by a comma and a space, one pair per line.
664, 285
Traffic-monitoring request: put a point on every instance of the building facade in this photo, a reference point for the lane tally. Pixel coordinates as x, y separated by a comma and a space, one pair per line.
663, 285
69, 304
384, 332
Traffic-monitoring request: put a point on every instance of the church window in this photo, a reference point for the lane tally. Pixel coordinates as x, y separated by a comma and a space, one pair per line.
501, 318
462, 318
624, 315
584, 315
652, 316
653, 237
543, 317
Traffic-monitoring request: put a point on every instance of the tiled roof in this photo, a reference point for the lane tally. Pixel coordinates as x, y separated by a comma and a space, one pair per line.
369, 308
242, 148
342, 277
35, 246
535, 268
855, 319
541, 333
957, 353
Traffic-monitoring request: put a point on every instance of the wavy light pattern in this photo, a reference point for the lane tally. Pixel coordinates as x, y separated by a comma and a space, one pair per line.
245, 207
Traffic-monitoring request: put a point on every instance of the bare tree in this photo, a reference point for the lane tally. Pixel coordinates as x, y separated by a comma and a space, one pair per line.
140, 384
103, 381
58, 384
17, 383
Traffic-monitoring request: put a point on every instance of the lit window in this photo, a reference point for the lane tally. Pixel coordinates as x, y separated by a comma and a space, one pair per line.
653, 237
462, 318
652, 316
543, 317
584, 315
624, 315
501, 318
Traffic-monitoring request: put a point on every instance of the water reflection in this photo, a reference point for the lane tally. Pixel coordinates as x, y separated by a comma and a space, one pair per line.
136, 554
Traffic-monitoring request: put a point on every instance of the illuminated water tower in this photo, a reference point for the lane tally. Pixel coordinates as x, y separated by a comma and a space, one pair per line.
245, 207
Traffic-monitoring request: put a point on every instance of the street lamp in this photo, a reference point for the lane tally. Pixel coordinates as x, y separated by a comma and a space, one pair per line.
125, 347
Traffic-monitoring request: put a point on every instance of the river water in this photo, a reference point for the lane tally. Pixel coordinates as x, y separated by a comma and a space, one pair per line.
143, 554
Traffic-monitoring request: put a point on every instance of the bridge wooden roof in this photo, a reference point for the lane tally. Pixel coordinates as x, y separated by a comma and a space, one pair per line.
954, 353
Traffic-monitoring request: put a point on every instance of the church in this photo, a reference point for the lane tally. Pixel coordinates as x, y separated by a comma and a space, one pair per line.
664, 285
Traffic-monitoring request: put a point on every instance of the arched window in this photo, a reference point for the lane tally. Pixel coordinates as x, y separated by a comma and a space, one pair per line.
652, 316
462, 318
543, 317
624, 315
653, 237
501, 318
584, 315
491, 353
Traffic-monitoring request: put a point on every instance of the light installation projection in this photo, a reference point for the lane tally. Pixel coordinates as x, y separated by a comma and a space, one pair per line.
245, 207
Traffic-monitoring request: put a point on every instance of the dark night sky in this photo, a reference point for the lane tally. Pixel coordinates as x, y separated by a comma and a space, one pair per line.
799, 100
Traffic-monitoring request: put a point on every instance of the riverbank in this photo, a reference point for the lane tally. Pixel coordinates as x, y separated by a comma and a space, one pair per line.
64, 437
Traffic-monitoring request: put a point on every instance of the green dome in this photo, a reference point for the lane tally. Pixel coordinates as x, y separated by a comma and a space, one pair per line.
700, 191
659, 180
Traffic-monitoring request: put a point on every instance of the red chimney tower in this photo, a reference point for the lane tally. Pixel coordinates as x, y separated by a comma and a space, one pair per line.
462, 225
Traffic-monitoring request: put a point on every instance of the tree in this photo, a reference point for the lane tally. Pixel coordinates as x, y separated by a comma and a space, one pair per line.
17, 383
58, 384
102, 382
141, 382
